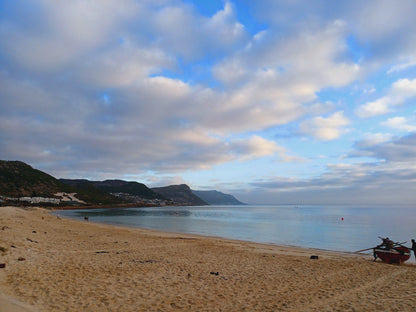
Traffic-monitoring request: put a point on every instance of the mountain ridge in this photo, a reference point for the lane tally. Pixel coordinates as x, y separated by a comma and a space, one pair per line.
18, 180
214, 197
181, 194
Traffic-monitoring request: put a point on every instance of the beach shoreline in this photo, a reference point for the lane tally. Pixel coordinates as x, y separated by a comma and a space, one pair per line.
256, 244
59, 264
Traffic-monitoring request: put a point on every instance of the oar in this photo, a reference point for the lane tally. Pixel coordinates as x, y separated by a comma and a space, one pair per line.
376, 247
394, 244
364, 249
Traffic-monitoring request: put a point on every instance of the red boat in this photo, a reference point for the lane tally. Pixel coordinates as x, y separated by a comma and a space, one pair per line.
397, 254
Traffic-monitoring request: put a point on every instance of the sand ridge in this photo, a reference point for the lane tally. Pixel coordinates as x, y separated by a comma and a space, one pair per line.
82, 266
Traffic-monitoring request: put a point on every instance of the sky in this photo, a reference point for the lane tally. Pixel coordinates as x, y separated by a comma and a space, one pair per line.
275, 102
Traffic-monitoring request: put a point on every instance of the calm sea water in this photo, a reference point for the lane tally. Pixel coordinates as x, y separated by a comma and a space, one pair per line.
337, 228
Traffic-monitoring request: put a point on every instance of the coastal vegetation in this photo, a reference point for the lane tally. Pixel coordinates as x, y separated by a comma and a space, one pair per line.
22, 184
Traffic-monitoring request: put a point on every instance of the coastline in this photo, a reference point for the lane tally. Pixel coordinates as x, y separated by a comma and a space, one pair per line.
292, 249
72, 265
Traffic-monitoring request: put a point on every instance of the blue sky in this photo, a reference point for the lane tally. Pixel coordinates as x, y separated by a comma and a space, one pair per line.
275, 102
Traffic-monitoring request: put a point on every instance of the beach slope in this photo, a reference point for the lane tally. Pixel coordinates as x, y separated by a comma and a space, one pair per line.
56, 264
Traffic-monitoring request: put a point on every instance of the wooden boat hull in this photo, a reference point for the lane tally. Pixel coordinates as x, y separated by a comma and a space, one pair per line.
395, 255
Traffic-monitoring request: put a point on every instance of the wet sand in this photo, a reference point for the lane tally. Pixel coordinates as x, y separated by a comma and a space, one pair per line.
68, 265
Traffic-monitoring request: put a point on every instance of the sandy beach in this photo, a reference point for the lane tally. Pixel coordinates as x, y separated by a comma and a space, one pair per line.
56, 264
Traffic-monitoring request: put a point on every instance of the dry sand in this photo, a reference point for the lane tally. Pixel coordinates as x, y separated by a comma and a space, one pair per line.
81, 266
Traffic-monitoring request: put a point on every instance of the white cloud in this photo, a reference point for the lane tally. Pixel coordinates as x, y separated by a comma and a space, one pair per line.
352, 184
123, 66
398, 152
399, 123
57, 33
132, 87
401, 91
231, 72
390, 179
381, 19
410, 62
384, 31
312, 56
271, 80
325, 129
154, 121
378, 107
181, 30
372, 139
254, 147
225, 26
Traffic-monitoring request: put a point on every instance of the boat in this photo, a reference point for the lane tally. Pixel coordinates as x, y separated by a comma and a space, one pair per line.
389, 251
398, 254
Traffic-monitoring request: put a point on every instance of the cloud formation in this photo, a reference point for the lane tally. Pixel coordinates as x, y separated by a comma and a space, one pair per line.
107, 89
400, 92
394, 173
96, 81
325, 129
400, 123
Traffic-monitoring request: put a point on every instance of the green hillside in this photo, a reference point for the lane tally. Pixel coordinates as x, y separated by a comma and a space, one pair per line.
180, 194
18, 179
132, 188
89, 193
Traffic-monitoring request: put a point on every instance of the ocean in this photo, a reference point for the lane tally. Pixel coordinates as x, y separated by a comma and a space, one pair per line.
336, 228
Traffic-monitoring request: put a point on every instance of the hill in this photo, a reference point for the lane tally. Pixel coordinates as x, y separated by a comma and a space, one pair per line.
180, 194
18, 179
20, 182
131, 188
88, 192
217, 198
